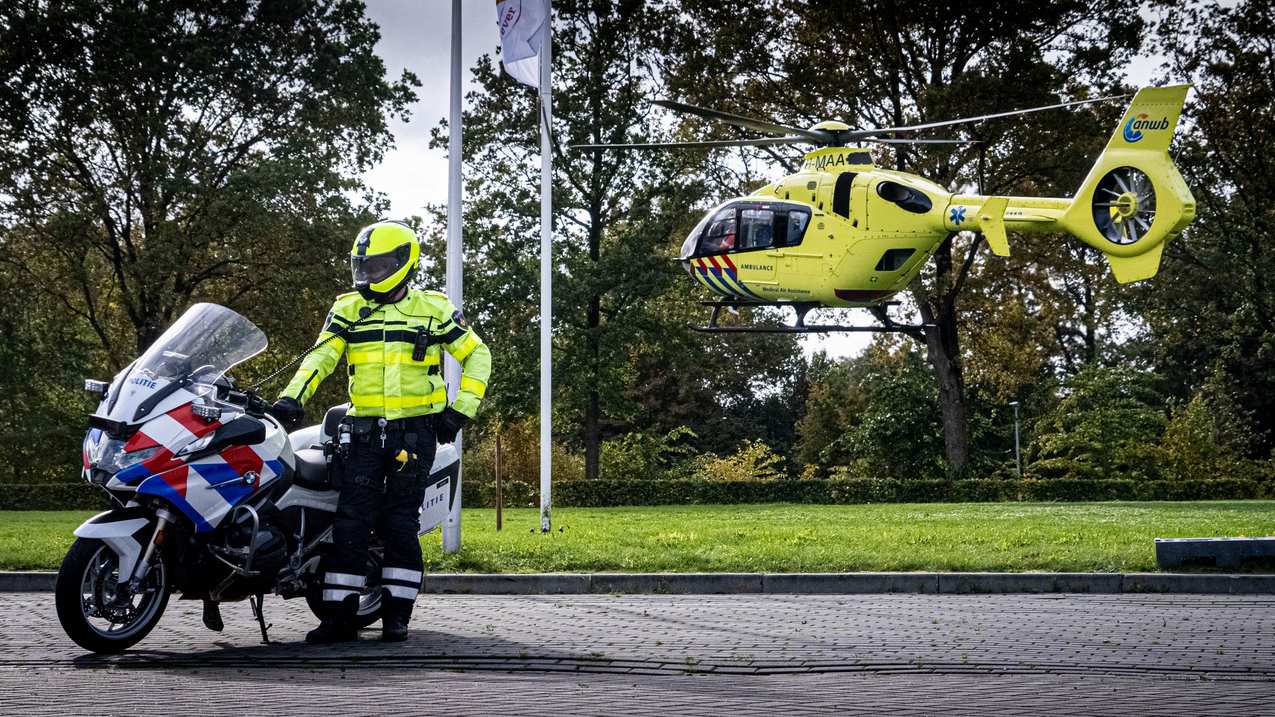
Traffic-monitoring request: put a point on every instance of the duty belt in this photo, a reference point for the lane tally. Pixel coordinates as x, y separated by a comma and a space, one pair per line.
373, 424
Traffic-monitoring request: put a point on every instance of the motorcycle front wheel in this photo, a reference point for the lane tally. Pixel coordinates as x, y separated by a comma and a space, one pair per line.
97, 612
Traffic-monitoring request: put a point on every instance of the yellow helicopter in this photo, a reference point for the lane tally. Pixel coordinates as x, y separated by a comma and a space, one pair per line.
843, 232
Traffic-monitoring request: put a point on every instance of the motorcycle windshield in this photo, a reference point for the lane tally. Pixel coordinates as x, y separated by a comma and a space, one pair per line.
183, 363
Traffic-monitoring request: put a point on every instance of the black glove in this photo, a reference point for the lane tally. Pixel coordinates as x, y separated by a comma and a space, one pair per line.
448, 424
288, 410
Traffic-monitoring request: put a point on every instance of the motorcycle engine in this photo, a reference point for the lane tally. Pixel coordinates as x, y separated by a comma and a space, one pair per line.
269, 551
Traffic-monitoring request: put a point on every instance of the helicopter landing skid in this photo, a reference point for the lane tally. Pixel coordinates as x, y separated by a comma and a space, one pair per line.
802, 308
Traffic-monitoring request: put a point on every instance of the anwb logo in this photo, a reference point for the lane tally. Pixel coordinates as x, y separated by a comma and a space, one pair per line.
1132, 128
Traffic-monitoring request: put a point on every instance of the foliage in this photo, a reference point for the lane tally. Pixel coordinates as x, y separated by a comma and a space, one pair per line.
1209, 435
637, 456
884, 410
753, 461
1212, 307
1106, 426
519, 454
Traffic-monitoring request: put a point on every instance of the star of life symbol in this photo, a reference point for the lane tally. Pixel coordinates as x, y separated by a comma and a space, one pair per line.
958, 215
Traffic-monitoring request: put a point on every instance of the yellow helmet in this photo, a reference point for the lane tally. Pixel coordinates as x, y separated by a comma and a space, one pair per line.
383, 258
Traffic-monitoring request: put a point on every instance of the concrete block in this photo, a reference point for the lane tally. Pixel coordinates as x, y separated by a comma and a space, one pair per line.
1217, 552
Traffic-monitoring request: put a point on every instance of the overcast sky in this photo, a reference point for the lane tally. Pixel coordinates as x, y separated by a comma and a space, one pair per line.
416, 34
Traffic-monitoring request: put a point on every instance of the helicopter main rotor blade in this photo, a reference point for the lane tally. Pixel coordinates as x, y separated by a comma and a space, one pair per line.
757, 125
758, 142
884, 140
861, 134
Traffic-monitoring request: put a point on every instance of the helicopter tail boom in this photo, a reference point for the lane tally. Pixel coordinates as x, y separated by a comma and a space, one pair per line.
1134, 199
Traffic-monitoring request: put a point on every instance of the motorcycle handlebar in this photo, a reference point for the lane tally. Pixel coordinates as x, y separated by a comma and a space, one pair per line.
251, 403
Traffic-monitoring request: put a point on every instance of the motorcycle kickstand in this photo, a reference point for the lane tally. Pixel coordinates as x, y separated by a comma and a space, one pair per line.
258, 611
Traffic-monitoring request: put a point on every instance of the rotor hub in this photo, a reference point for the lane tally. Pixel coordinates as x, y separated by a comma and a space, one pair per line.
1124, 206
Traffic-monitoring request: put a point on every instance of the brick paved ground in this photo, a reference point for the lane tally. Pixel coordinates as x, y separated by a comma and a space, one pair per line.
598, 654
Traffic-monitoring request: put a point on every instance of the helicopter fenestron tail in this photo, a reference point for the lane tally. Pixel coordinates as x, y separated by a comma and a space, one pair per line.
1130, 204
1134, 199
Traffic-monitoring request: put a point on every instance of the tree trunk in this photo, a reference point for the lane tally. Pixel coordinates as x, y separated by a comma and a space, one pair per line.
593, 322
943, 347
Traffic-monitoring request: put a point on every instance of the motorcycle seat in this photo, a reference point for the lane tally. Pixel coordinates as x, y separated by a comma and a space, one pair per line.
331, 420
312, 470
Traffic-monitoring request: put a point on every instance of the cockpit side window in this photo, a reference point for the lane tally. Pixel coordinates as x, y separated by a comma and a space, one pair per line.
797, 221
720, 235
757, 228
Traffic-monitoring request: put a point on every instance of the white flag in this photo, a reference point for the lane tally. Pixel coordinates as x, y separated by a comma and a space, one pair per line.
520, 24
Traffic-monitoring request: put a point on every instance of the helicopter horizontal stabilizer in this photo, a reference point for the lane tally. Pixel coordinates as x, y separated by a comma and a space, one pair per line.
1134, 199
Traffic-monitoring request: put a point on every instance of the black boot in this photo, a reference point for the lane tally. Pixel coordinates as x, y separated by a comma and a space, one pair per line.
212, 616
330, 631
393, 628
337, 625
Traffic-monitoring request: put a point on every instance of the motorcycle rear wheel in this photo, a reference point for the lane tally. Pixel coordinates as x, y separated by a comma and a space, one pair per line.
95, 611
369, 600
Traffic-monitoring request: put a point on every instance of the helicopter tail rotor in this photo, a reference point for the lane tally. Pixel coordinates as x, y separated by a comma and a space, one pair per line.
1134, 198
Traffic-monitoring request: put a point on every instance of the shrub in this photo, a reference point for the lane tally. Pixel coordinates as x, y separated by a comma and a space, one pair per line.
1209, 435
1108, 426
753, 461
642, 455
519, 454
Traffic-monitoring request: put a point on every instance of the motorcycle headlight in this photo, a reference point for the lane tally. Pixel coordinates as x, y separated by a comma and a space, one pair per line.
124, 460
112, 458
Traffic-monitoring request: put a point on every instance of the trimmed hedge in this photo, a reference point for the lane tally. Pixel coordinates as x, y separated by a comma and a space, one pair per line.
599, 493
844, 491
52, 496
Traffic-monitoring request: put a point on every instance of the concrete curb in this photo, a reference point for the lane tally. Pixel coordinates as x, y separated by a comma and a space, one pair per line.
798, 583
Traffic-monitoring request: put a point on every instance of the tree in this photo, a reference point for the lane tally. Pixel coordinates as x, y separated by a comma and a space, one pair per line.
159, 152
624, 359
1107, 425
1212, 308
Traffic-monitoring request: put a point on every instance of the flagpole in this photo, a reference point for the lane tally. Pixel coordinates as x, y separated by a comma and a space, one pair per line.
455, 263
546, 272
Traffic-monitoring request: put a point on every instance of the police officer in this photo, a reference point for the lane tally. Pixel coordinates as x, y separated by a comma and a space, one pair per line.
392, 337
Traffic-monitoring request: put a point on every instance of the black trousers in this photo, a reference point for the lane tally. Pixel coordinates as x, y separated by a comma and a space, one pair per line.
379, 493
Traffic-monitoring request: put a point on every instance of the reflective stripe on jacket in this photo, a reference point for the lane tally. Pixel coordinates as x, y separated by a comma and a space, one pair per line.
384, 377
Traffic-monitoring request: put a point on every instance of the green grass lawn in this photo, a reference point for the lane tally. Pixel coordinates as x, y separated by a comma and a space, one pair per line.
1113, 537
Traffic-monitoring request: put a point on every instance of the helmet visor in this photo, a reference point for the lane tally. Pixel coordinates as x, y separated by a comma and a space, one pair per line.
375, 268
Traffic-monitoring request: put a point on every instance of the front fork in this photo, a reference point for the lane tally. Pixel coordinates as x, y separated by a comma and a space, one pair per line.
142, 569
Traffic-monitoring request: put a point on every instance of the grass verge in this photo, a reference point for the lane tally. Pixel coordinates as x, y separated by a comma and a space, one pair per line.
1108, 537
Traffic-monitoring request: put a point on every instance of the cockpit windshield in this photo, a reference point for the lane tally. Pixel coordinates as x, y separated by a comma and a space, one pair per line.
745, 225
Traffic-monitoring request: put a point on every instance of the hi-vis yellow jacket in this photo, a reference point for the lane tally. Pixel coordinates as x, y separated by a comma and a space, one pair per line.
384, 377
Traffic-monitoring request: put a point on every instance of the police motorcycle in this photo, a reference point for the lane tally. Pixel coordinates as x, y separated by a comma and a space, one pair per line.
212, 497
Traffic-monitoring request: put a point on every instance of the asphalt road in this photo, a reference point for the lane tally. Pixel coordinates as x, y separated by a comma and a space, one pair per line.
684, 654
